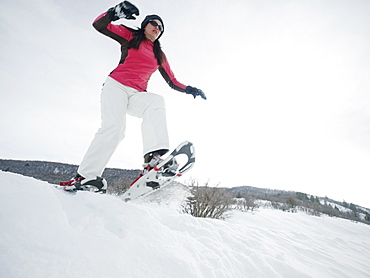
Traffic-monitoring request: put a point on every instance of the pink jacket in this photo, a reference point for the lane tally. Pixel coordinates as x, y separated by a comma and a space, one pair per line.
136, 65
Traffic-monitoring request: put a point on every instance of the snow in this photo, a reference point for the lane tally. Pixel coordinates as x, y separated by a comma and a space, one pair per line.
46, 232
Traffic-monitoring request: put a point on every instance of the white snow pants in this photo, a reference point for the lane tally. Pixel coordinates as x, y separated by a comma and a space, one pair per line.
117, 100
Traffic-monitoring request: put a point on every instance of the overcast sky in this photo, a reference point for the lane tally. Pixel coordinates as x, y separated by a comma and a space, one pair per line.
287, 85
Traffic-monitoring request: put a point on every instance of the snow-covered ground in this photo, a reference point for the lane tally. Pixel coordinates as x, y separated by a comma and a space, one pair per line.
45, 232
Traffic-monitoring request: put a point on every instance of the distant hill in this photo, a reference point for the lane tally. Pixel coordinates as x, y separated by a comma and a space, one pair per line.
54, 172
291, 200
120, 179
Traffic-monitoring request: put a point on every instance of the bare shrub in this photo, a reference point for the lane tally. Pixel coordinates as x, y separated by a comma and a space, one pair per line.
206, 201
245, 202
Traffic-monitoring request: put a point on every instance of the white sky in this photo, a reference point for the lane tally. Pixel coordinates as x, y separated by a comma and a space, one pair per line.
287, 85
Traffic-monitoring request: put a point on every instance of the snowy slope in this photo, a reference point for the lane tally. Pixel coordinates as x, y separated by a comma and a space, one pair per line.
49, 233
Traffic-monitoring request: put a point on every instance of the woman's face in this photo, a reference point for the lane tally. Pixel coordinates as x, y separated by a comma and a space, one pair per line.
152, 32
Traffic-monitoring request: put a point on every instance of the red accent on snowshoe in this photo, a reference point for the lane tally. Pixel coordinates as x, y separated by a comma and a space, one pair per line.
68, 190
71, 182
136, 179
64, 183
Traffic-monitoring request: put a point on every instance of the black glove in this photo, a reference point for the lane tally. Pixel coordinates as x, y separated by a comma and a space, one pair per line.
195, 92
123, 10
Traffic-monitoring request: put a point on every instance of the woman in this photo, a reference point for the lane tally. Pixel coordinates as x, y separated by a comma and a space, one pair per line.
124, 92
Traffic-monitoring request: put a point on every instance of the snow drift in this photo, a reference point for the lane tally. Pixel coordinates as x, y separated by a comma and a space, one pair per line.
49, 233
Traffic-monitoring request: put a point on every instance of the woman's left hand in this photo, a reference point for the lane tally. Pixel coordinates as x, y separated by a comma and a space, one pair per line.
195, 92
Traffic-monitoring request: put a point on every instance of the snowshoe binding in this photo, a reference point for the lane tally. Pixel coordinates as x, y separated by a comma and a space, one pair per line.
97, 185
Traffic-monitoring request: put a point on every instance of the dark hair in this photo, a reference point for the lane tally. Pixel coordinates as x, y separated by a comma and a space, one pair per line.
139, 36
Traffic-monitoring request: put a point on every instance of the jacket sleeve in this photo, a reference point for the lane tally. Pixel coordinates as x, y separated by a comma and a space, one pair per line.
117, 32
168, 75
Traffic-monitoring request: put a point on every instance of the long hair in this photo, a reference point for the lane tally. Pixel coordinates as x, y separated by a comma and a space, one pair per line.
139, 36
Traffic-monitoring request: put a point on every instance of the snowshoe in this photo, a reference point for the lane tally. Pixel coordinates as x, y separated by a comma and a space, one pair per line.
162, 173
97, 185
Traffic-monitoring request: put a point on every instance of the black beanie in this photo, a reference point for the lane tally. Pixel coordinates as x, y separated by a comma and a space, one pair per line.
152, 17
